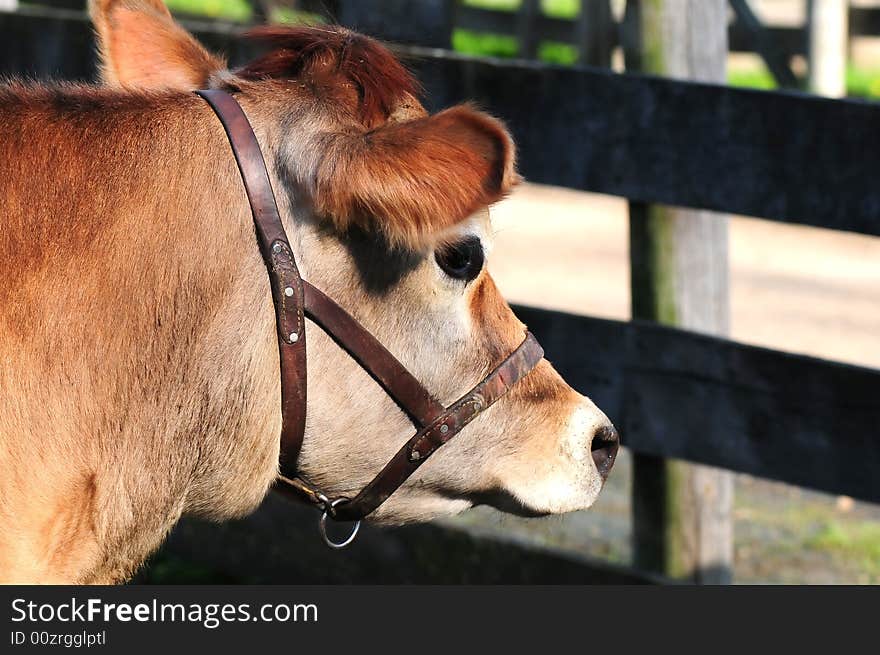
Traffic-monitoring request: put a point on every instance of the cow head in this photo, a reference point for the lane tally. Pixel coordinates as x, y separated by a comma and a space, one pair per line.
387, 208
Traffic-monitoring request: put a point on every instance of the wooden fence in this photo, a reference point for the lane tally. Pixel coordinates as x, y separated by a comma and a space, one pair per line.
779, 156
595, 31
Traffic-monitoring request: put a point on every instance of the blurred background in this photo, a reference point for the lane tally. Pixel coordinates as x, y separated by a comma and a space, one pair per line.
793, 288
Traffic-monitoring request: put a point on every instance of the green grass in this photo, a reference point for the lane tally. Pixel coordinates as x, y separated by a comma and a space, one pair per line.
501, 45
860, 82
558, 53
238, 11
494, 5
858, 543
235, 10
284, 15
554, 8
757, 78
484, 45
561, 8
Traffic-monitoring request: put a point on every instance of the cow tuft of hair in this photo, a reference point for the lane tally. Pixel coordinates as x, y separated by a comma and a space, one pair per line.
381, 80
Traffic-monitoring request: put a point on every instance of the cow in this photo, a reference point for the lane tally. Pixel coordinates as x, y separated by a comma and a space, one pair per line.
139, 379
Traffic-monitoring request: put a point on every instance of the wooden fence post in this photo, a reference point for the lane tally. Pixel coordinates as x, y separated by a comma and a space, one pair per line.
682, 513
595, 33
261, 10
527, 29
764, 43
827, 26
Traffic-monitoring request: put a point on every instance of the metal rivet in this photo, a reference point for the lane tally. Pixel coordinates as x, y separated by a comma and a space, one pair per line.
294, 337
276, 247
288, 292
416, 455
444, 429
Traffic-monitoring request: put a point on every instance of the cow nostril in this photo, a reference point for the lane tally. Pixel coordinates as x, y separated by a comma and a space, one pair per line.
604, 449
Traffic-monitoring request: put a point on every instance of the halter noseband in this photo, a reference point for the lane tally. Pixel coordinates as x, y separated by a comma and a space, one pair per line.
294, 300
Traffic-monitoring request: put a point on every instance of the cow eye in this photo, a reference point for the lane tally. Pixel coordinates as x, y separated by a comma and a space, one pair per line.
462, 260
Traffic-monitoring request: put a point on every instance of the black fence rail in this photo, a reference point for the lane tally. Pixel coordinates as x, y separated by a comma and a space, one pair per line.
595, 31
781, 156
796, 419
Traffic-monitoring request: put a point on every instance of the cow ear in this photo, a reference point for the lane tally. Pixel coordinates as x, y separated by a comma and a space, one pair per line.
416, 178
141, 47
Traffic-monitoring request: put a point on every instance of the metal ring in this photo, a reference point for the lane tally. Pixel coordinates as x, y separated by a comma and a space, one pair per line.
323, 527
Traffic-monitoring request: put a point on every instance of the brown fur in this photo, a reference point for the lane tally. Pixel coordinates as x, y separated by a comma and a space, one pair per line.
334, 57
115, 284
420, 176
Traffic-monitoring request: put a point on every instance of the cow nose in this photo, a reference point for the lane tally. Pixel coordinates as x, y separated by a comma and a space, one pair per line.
604, 449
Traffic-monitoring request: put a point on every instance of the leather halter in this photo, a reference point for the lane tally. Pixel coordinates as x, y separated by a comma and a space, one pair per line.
295, 299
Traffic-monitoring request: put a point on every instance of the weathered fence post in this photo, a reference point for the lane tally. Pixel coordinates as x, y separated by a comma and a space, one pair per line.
765, 44
527, 30
261, 10
827, 26
682, 513
595, 33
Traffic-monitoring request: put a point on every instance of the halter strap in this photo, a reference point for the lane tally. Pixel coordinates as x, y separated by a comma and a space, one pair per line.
287, 285
430, 437
419, 405
294, 299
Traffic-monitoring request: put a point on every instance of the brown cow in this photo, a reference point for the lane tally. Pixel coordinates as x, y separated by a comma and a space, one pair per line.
139, 377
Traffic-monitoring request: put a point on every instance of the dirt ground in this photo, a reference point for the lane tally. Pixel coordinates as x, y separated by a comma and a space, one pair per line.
798, 289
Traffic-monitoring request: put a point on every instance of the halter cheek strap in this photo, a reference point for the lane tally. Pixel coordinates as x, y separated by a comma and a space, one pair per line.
295, 299
286, 283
